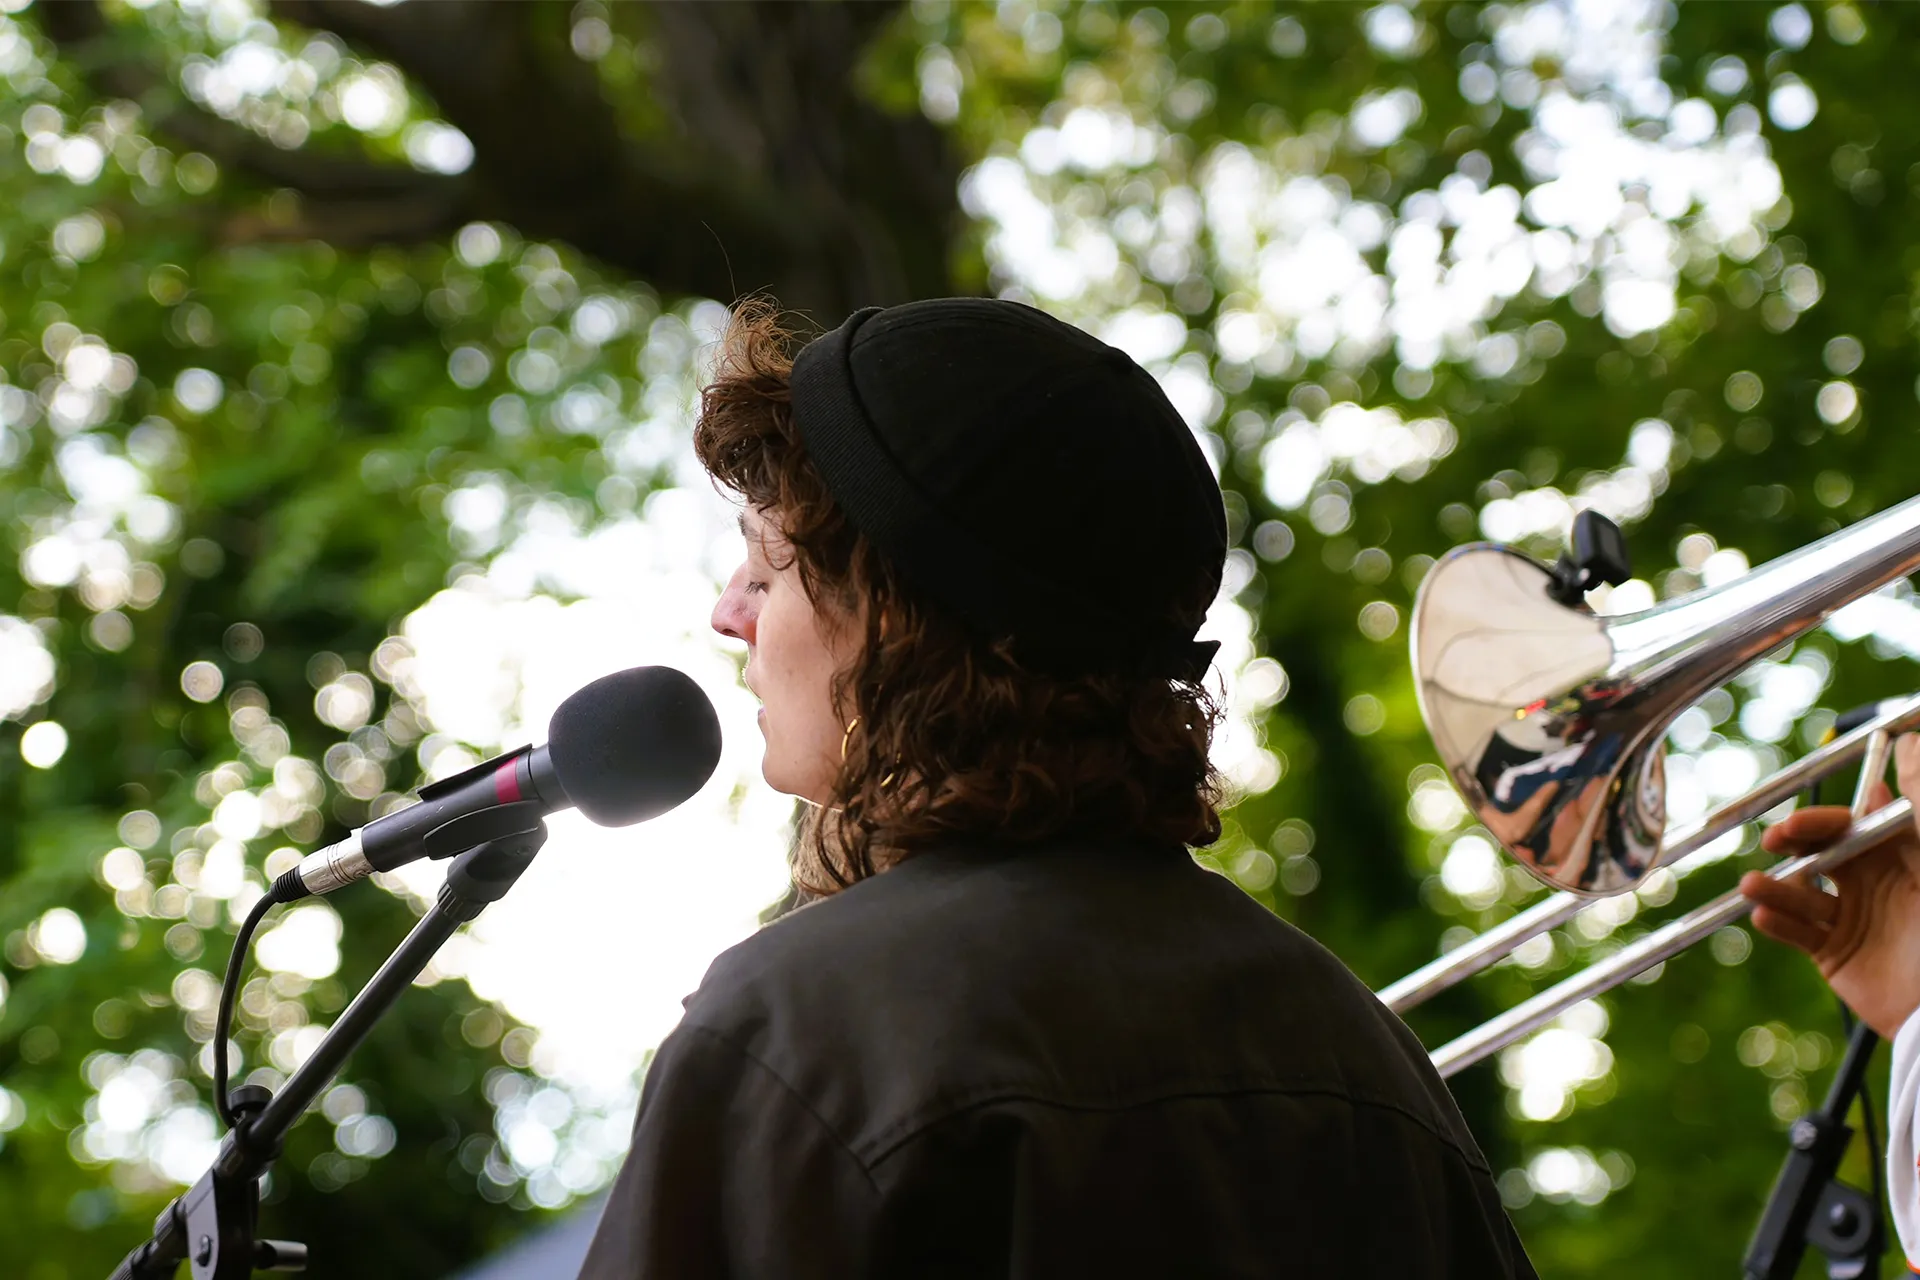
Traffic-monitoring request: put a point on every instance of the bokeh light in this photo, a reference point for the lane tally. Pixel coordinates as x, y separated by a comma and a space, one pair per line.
43, 743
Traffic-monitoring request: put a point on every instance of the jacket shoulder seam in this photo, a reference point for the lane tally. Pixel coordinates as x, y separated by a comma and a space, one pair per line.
898, 1136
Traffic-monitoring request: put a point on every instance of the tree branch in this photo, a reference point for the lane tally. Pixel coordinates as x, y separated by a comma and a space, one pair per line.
779, 177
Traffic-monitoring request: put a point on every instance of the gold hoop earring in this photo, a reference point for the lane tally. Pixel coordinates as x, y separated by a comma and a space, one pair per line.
847, 737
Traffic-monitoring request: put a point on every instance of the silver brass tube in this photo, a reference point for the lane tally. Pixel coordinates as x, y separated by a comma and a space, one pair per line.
1490, 947
1873, 767
1657, 947
1481, 951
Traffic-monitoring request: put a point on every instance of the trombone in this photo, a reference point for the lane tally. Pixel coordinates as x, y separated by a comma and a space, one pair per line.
1552, 721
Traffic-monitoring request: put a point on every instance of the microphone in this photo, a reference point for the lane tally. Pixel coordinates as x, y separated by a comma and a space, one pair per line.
625, 748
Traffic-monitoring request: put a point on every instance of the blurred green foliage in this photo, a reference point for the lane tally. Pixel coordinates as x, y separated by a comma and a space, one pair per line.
223, 443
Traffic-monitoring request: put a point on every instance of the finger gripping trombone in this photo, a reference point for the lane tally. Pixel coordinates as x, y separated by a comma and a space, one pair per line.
1552, 722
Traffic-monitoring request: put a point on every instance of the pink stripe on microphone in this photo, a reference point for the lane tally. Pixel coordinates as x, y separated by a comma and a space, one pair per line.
506, 782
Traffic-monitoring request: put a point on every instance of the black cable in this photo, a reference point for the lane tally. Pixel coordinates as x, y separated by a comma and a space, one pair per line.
1873, 1151
229, 991
1868, 1129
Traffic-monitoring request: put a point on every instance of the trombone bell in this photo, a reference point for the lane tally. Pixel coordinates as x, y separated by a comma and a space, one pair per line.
1552, 721
1550, 748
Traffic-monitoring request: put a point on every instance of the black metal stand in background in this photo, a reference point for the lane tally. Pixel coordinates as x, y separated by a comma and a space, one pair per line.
212, 1225
1811, 1206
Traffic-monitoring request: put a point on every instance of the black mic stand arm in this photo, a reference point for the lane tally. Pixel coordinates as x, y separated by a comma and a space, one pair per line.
212, 1225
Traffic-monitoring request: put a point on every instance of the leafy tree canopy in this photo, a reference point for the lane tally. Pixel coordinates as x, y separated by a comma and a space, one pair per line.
313, 310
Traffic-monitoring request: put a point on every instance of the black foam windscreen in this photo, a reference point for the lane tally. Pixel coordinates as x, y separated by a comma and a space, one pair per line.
634, 744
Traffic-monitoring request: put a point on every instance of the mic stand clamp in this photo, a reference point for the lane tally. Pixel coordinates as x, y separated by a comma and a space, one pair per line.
1809, 1204
212, 1225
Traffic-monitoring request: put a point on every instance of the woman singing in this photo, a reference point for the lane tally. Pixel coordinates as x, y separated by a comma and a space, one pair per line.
1017, 1030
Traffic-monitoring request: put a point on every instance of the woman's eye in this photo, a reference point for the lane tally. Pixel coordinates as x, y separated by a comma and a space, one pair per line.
755, 586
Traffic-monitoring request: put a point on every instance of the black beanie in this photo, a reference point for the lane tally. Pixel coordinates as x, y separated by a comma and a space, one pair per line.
1023, 476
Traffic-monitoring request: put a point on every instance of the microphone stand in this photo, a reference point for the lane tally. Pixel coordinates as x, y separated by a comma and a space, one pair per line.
213, 1224
1809, 1205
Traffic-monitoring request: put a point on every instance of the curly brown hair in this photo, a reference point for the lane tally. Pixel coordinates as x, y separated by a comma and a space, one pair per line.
955, 736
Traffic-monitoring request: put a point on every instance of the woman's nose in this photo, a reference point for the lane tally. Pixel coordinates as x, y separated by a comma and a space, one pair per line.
734, 612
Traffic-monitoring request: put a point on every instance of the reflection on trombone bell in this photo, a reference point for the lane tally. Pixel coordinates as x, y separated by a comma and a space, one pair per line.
1545, 777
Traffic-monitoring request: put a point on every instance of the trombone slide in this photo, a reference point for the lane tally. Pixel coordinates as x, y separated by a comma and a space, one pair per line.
1551, 912
1657, 947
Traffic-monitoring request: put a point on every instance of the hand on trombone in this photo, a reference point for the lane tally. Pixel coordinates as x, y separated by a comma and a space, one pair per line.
1864, 936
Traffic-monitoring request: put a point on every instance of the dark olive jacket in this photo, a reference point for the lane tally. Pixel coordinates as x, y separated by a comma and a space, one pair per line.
1046, 1062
